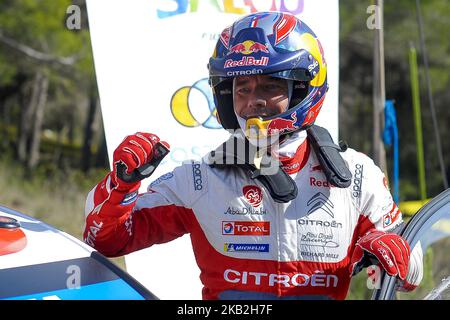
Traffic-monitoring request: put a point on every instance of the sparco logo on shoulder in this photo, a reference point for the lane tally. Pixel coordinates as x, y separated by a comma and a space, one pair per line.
357, 180
197, 176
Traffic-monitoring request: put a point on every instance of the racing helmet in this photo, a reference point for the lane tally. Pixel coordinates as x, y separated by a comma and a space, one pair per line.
276, 44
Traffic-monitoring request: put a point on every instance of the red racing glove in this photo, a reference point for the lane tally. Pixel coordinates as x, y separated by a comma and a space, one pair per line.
391, 250
133, 152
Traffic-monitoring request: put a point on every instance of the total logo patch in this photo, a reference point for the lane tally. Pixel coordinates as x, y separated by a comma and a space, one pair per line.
245, 247
245, 228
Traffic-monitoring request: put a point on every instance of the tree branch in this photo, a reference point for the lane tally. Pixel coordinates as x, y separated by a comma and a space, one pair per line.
37, 55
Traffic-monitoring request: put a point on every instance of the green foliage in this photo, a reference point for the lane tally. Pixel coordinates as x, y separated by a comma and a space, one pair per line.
358, 287
7, 71
54, 197
427, 283
40, 25
356, 71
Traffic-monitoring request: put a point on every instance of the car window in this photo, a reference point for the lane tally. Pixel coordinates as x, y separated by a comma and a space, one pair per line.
435, 245
428, 234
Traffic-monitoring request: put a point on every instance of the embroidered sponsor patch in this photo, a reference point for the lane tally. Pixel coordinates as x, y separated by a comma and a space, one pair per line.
197, 176
166, 176
391, 217
253, 195
246, 247
129, 198
357, 180
246, 228
246, 211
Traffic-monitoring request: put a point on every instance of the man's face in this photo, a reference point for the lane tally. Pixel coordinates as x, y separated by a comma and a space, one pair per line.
259, 96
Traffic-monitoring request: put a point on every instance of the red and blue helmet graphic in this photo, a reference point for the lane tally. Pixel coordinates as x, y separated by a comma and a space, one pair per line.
277, 44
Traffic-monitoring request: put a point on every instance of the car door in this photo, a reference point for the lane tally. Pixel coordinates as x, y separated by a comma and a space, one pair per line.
429, 229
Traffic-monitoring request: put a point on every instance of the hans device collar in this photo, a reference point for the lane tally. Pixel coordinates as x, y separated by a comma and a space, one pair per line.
329, 156
238, 152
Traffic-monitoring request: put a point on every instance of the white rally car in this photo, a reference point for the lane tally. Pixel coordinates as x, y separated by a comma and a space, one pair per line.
39, 262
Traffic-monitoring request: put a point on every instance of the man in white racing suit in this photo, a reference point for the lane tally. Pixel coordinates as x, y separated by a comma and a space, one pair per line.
297, 233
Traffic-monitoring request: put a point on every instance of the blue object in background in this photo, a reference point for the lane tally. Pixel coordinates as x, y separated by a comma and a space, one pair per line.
390, 136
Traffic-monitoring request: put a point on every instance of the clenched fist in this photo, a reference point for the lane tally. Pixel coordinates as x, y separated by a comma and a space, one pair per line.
132, 153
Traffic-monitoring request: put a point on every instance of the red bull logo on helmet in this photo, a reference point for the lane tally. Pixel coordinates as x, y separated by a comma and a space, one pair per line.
281, 125
248, 47
313, 112
246, 61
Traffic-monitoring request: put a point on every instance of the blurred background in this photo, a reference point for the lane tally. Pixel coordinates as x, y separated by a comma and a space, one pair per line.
52, 146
